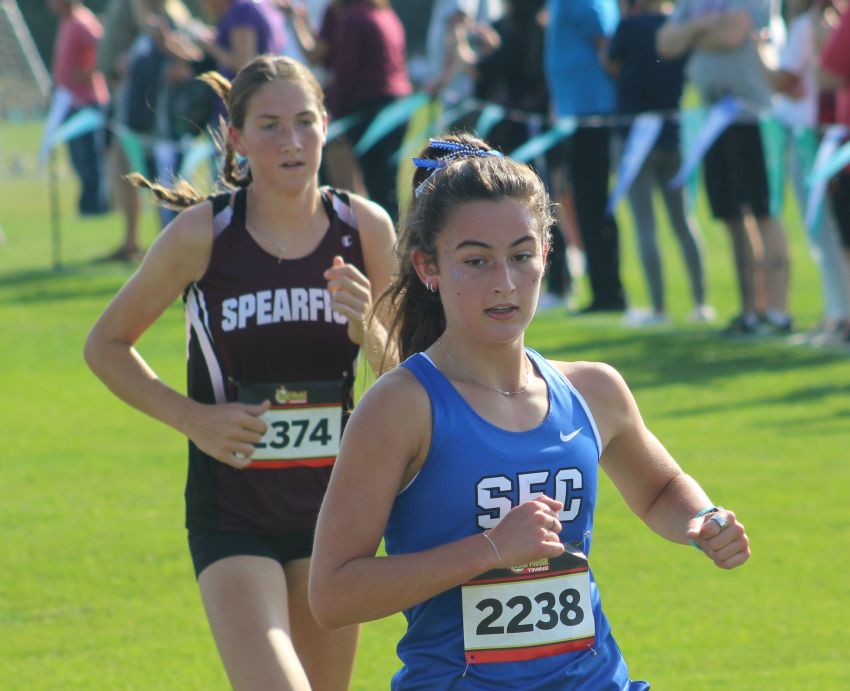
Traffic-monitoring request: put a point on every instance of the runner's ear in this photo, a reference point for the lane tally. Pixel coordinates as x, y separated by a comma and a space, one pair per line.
423, 264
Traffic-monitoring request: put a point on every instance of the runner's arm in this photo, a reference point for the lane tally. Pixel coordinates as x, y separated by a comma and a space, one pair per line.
644, 472
178, 257
377, 237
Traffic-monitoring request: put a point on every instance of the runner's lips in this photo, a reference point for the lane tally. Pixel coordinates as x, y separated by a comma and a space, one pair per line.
502, 309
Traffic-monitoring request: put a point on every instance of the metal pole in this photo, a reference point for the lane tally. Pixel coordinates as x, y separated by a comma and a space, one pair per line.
55, 215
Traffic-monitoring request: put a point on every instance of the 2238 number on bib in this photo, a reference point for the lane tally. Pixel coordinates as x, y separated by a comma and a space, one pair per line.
542, 610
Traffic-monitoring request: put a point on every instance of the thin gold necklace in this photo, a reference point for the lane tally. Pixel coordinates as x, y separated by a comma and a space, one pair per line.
506, 394
281, 248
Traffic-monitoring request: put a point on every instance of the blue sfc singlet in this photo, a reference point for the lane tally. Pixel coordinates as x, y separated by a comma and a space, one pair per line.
265, 325
538, 626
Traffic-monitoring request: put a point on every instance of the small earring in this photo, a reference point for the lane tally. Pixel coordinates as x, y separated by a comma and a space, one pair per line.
430, 286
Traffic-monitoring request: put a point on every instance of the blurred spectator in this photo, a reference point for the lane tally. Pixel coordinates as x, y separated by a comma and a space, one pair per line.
646, 83
122, 23
162, 102
579, 86
795, 79
184, 105
362, 44
339, 166
456, 30
140, 71
510, 74
724, 61
313, 12
244, 29
75, 70
835, 73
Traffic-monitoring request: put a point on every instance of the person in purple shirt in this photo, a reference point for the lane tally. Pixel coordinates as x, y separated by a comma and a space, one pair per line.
244, 29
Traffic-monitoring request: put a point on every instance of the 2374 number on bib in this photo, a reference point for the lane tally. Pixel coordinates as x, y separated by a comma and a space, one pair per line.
304, 423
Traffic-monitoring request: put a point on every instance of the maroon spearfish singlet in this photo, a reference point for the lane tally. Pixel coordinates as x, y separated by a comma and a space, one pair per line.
253, 318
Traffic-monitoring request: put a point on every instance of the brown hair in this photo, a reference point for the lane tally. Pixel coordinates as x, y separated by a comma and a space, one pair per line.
237, 98
471, 176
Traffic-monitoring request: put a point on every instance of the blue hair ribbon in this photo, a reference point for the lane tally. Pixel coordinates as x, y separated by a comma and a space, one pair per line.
456, 151
432, 163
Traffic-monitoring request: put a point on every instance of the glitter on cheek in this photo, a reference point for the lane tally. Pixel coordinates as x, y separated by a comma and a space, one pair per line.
460, 273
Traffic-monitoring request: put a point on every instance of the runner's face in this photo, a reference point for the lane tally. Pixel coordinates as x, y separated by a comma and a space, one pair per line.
490, 265
283, 135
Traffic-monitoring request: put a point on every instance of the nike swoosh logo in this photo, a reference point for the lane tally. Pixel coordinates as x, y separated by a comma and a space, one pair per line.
571, 435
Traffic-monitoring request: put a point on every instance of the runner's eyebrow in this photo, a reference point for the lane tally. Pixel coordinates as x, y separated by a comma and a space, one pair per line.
479, 243
273, 116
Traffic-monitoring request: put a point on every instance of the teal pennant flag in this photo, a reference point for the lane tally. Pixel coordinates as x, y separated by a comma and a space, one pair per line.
491, 115
388, 119
544, 141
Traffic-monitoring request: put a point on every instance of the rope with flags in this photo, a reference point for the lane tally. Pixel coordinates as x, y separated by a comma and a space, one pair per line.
700, 129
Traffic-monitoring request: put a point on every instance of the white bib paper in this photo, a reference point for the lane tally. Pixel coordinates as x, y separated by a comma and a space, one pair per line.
303, 425
542, 610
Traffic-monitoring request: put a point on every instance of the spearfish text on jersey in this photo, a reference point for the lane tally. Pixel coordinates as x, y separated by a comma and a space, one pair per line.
281, 305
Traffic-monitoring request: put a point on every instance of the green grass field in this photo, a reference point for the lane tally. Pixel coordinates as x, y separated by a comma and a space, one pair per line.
96, 586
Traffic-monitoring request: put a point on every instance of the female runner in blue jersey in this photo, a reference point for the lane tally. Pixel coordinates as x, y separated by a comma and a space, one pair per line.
476, 460
277, 277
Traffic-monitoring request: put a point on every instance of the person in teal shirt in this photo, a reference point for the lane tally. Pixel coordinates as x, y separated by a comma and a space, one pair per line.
578, 31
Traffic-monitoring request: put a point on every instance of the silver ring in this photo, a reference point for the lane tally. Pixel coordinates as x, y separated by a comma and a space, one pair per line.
239, 455
554, 525
719, 519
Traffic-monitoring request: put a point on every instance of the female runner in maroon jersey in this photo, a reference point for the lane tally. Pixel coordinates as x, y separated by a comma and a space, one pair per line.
277, 280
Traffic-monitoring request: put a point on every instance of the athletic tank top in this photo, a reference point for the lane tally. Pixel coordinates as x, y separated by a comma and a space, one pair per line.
253, 318
493, 633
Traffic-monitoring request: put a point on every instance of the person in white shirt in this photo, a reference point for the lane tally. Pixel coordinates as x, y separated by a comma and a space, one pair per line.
794, 79
454, 26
